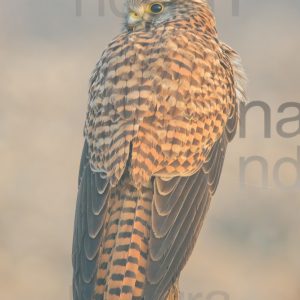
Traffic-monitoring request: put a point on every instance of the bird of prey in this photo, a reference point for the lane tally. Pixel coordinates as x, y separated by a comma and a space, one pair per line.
163, 105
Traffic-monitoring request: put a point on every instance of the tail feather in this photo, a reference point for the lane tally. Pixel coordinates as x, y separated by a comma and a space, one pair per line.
124, 252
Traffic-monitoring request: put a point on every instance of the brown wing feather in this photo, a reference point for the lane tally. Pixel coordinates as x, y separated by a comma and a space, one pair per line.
175, 227
90, 210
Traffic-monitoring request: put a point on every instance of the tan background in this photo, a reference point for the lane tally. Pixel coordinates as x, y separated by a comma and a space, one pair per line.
249, 247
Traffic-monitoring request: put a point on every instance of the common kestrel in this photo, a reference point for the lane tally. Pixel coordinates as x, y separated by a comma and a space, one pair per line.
163, 106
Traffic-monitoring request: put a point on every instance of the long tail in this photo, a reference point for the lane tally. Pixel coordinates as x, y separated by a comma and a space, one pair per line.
124, 251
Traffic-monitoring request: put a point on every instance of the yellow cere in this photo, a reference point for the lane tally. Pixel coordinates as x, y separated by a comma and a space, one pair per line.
134, 15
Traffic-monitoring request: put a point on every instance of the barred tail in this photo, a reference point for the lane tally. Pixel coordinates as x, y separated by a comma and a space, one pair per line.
124, 251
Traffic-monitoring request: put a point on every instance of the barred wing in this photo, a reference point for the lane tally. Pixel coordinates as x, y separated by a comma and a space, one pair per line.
178, 211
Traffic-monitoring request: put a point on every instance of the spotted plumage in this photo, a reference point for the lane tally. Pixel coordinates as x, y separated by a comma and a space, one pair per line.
163, 106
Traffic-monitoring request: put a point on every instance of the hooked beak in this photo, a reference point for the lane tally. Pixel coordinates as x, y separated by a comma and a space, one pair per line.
135, 18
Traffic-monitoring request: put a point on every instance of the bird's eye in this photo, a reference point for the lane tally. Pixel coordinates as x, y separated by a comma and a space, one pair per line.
156, 8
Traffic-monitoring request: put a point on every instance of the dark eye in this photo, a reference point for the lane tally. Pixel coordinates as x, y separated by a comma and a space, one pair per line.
156, 8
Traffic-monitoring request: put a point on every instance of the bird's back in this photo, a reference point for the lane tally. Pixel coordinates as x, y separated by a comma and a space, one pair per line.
163, 107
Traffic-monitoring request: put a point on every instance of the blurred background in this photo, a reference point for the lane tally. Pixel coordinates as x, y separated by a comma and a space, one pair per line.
249, 246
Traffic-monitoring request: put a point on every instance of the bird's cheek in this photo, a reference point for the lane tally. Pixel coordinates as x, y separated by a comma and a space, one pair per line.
147, 18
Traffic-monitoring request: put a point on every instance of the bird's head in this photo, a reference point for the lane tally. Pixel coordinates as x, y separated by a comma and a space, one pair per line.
144, 14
